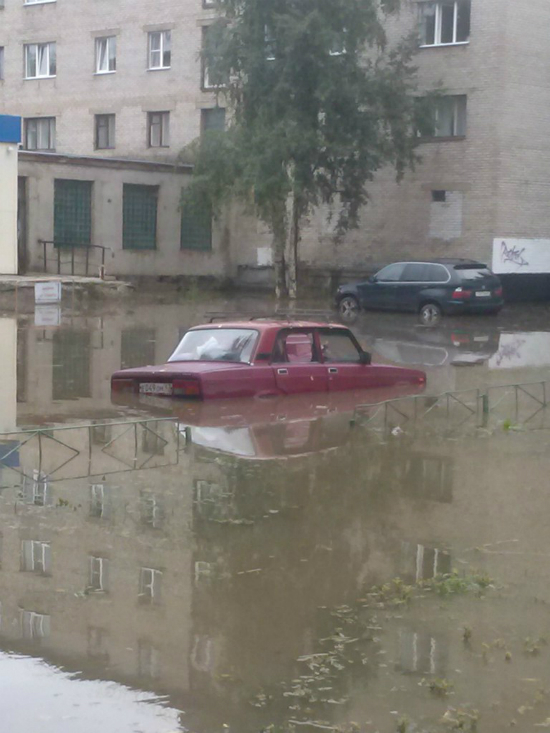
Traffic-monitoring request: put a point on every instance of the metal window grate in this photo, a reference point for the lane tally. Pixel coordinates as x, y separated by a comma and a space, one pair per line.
196, 227
137, 347
139, 217
71, 364
72, 213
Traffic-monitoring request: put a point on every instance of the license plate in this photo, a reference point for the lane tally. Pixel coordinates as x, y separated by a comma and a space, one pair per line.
155, 388
483, 294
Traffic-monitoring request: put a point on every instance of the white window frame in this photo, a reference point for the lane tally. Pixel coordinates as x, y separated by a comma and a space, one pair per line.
98, 574
36, 2
164, 127
149, 584
39, 557
46, 50
104, 55
37, 625
165, 39
439, 25
456, 100
2, 56
50, 123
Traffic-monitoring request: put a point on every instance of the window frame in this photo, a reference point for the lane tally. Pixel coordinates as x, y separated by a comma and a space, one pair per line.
37, 2
108, 40
2, 62
51, 121
46, 46
438, 4
111, 131
164, 128
161, 50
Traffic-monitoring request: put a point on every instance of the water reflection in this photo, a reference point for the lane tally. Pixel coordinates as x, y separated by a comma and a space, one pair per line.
220, 559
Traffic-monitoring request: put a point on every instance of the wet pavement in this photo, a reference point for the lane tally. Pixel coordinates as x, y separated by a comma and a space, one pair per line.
315, 568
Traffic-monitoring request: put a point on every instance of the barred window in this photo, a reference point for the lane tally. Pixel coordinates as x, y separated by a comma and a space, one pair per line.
72, 213
196, 227
139, 216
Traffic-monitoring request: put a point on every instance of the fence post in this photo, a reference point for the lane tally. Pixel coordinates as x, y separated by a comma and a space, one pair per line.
485, 409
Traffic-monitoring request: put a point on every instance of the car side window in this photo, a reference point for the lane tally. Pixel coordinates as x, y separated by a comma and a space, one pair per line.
437, 274
415, 272
295, 348
391, 273
338, 346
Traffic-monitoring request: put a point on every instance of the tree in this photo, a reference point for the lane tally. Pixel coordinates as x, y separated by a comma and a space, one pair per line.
318, 103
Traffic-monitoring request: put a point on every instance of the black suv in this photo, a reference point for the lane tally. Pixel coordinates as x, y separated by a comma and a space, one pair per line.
431, 288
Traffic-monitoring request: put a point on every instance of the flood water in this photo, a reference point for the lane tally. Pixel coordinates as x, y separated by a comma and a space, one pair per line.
311, 568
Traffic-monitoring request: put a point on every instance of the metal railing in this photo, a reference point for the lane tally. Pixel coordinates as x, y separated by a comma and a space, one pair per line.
523, 404
72, 249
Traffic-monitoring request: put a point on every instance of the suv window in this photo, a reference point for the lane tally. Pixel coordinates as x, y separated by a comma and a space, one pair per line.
437, 274
414, 272
391, 273
473, 273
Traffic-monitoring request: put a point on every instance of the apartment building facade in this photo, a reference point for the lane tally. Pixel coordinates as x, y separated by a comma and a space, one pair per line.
110, 96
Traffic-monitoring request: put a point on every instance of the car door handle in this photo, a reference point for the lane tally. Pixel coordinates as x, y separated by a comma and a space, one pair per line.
332, 370
282, 371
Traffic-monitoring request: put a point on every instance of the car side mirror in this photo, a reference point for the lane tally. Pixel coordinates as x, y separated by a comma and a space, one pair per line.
365, 357
373, 279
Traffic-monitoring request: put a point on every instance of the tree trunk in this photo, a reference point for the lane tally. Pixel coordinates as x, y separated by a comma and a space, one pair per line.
278, 249
294, 240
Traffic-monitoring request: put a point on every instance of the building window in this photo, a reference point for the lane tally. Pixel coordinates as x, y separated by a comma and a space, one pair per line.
104, 132
100, 505
208, 3
139, 216
196, 227
36, 490
149, 585
30, 2
99, 574
71, 357
105, 55
210, 78
444, 23
158, 129
34, 625
213, 120
39, 133
160, 53
36, 557
72, 220
439, 197
450, 116
1, 62
40, 60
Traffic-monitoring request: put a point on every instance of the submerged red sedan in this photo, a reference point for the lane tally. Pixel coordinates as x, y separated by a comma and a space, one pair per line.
263, 359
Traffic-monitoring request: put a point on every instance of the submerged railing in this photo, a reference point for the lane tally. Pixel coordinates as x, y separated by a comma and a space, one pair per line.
99, 448
523, 404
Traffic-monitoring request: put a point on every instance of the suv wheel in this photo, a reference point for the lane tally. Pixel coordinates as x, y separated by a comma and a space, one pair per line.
430, 314
349, 307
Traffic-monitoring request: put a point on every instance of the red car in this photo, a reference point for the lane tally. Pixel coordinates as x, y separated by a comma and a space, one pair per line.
263, 359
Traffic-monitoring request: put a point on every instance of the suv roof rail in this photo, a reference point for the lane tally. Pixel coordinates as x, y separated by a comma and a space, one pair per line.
278, 315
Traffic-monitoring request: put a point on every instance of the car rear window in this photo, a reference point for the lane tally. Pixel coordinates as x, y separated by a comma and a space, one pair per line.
473, 273
216, 344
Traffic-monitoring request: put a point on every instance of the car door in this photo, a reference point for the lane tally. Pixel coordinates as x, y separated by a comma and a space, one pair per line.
342, 359
379, 291
296, 364
412, 282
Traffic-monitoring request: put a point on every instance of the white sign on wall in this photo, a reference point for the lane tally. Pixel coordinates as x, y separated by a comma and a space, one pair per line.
46, 316
521, 256
516, 350
47, 292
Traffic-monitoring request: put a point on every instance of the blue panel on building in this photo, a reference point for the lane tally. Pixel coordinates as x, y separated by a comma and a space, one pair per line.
9, 454
10, 129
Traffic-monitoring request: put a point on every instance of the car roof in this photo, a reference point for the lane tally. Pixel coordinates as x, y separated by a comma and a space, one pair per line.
267, 325
442, 261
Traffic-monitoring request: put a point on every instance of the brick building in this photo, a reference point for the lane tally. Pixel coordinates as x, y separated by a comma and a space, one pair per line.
110, 100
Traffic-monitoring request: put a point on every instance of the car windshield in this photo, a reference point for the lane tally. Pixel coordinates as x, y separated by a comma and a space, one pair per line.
216, 344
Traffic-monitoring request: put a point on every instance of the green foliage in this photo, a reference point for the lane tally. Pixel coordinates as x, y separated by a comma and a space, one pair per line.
453, 583
318, 103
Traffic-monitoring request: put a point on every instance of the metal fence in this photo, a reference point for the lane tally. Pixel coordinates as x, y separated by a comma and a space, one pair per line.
94, 449
521, 405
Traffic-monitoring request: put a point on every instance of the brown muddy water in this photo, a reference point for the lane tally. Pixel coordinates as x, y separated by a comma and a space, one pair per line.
319, 570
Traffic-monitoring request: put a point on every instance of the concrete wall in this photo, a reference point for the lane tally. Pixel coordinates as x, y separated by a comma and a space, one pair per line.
108, 180
8, 208
8, 374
